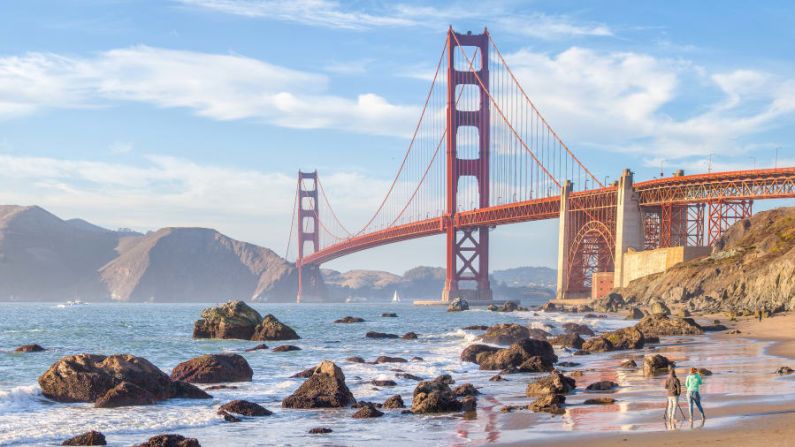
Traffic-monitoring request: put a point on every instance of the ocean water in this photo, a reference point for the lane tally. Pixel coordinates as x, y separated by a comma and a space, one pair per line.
162, 334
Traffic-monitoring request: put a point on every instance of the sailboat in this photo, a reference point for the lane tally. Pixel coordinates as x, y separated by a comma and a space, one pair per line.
395, 297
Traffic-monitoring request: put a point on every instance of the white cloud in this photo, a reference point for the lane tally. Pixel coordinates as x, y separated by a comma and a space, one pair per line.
545, 27
221, 87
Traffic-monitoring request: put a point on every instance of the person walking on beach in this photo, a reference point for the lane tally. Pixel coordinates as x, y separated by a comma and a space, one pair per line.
674, 388
693, 385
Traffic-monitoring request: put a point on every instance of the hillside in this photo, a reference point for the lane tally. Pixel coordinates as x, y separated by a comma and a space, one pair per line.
752, 265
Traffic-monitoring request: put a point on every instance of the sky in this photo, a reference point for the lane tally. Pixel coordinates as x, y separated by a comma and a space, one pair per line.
144, 114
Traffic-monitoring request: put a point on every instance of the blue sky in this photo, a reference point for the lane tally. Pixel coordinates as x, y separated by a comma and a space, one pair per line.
145, 114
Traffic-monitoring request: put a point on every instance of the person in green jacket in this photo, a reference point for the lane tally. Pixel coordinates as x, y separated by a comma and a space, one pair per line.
693, 385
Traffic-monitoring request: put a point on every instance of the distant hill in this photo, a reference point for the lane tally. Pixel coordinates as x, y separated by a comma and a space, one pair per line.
527, 277
45, 258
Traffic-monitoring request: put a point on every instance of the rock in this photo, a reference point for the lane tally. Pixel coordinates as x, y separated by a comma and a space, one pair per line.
394, 402
784, 370
554, 383
87, 377
33, 348
549, 307
185, 390
446, 379
682, 312
599, 401
380, 335
434, 397
214, 368
389, 315
470, 353
662, 325
635, 314
538, 334
305, 374
364, 403
377, 382
655, 364
477, 327
492, 308
259, 347
579, 329
320, 431
458, 305
245, 408
220, 387
704, 372
417, 359
469, 403
527, 355
567, 341
508, 306
350, 319
505, 334
88, 438
568, 364
627, 338
580, 352
233, 319
271, 329
326, 388
228, 417
170, 441
613, 302
497, 378
409, 377
409, 336
659, 308
286, 348
714, 328
367, 412
629, 363
604, 385
466, 389
549, 403
355, 359
387, 359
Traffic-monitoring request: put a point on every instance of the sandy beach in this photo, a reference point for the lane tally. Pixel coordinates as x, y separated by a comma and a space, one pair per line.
769, 425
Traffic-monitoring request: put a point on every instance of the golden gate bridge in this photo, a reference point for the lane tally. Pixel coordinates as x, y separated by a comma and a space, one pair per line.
482, 155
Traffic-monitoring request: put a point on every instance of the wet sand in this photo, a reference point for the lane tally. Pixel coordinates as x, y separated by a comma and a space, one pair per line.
766, 424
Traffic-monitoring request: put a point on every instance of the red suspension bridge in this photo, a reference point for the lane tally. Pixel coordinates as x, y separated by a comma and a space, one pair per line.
482, 155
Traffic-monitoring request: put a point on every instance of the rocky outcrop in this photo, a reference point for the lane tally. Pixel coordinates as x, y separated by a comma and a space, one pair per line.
458, 305
604, 385
320, 431
30, 348
389, 315
111, 381
326, 388
214, 368
466, 389
383, 382
233, 319
567, 341
635, 314
661, 325
410, 336
394, 402
527, 355
599, 401
87, 438
579, 329
505, 333
751, 266
286, 348
554, 383
434, 397
350, 319
170, 441
549, 403
388, 359
627, 338
380, 335
271, 329
470, 353
245, 408
367, 411
538, 334
656, 364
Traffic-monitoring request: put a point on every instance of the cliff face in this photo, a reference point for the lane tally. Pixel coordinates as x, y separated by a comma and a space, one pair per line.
752, 265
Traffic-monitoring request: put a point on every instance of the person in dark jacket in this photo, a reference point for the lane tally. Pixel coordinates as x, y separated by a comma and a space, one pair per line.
674, 389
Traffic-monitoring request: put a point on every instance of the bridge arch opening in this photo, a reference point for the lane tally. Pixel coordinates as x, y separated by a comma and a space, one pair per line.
590, 252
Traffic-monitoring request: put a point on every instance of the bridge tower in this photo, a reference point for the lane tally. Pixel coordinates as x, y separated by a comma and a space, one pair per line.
308, 224
467, 249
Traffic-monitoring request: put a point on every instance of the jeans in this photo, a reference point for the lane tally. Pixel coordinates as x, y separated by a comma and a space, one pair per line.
670, 411
694, 397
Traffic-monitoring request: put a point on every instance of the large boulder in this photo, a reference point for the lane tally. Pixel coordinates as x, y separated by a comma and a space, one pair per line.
505, 333
245, 408
659, 308
326, 388
579, 329
434, 397
88, 377
125, 394
554, 383
602, 385
233, 319
394, 402
627, 338
528, 355
350, 319
458, 305
549, 403
613, 302
470, 353
656, 364
635, 314
538, 334
88, 438
272, 329
380, 335
30, 348
170, 440
661, 325
567, 341
213, 368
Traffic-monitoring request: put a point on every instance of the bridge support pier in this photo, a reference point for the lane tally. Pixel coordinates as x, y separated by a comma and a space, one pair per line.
564, 239
629, 225
308, 224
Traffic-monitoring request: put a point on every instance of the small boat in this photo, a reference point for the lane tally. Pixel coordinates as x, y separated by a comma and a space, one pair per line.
74, 303
395, 297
